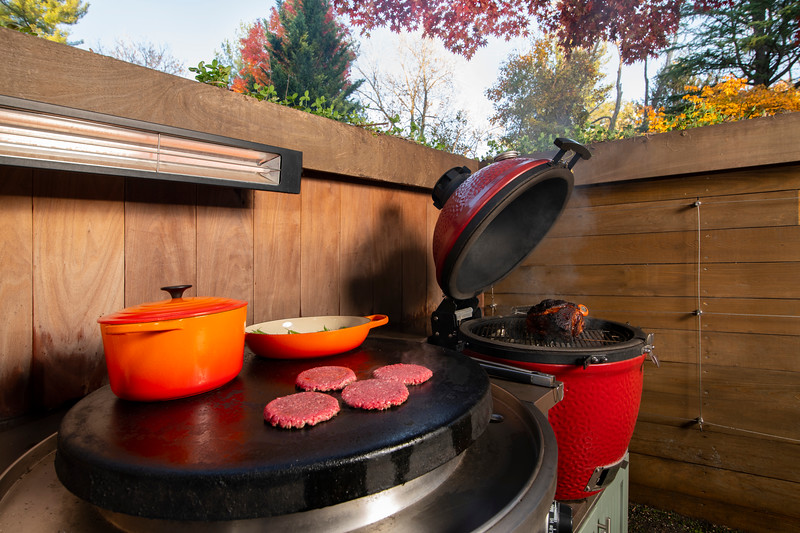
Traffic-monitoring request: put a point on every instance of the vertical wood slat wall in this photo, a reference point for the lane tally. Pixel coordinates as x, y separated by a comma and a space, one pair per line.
653, 253
74, 247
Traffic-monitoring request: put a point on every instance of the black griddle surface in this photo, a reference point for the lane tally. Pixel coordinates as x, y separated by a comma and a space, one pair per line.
212, 456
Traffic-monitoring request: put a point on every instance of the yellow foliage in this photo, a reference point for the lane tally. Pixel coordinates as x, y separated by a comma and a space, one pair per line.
727, 101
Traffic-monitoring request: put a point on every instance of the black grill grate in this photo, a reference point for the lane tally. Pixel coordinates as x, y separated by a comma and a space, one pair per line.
512, 330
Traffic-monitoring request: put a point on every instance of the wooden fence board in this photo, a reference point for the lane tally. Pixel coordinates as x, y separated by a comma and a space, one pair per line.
751, 245
772, 316
319, 241
160, 239
641, 217
225, 235
712, 510
646, 215
754, 210
78, 253
757, 400
608, 280
415, 251
747, 350
629, 249
734, 489
387, 241
16, 289
701, 185
671, 391
357, 264
276, 256
751, 280
741, 452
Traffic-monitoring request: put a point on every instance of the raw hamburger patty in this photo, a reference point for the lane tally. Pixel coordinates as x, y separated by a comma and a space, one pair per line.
375, 393
301, 409
324, 378
405, 373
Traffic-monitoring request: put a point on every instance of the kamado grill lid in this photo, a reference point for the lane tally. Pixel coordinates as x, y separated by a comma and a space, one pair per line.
491, 220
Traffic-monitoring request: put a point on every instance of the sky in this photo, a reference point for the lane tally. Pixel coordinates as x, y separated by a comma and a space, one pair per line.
193, 30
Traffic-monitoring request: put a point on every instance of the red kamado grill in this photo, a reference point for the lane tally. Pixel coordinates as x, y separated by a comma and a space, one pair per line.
489, 222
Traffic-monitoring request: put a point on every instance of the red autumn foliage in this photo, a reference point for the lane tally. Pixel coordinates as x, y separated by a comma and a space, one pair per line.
255, 60
642, 27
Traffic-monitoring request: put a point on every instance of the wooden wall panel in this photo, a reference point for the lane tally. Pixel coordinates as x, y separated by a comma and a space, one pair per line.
276, 256
753, 492
717, 495
78, 276
713, 446
225, 244
753, 400
771, 316
641, 217
752, 351
751, 280
16, 289
415, 251
691, 186
631, 249
753, 210
388, 235
671, 390
614, 280
357, 281
160, 239
319, 247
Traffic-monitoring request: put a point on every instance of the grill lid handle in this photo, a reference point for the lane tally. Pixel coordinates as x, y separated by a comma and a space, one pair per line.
568, 145
447, 185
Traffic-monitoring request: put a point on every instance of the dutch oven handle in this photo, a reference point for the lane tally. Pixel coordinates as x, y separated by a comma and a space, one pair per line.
176, 291
568, 145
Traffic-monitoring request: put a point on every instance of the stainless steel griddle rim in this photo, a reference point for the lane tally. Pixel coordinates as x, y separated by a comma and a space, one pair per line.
26, 463
535, 499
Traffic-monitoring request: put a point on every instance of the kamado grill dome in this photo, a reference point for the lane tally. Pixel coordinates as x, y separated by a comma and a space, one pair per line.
489, 223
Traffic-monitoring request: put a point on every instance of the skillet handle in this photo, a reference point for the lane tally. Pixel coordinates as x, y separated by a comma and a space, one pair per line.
140, 327
376, 320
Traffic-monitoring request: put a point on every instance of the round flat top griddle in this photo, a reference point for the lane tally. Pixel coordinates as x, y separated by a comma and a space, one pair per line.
212, 456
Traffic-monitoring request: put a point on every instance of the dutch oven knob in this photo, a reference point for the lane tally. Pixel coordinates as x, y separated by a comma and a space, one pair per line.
176, 291
568, 145
447, 185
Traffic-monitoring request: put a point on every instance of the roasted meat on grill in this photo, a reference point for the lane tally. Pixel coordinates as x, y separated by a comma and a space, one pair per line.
556, 320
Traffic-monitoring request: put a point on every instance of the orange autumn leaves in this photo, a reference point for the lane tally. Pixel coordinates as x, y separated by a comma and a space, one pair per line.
728, 101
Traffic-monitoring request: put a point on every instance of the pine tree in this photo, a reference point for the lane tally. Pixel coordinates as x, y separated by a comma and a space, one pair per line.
302, 49
752, 39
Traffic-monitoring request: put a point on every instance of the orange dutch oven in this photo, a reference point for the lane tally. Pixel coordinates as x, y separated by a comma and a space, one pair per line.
174, 348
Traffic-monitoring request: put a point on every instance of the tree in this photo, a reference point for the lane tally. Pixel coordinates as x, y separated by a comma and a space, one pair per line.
254, 60
543, 94
758, 40
42, 17
642, 27
145, 54
411, 94
730, 100
302, 48
230, 54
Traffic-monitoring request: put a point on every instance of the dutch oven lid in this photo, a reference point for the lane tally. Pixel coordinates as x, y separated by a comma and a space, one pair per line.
173, 309
492, 220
